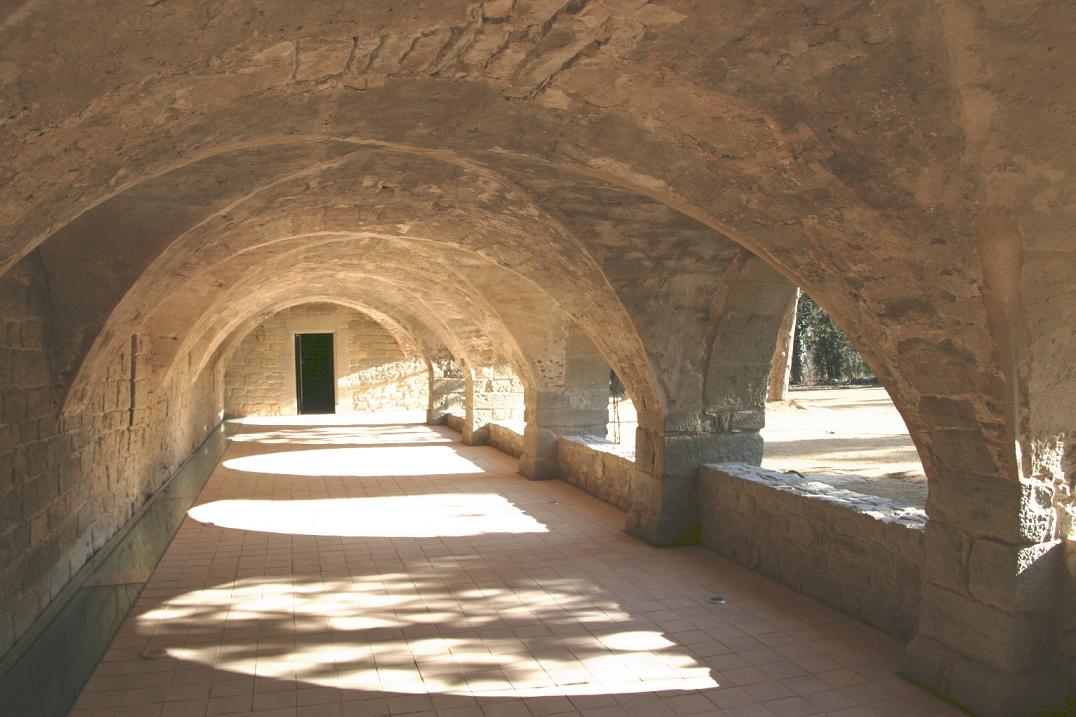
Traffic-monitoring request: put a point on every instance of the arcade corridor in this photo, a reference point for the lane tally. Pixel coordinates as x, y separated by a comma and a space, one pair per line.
502, 211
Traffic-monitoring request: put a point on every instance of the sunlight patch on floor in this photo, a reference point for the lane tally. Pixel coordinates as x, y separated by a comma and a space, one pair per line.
438, 592
343, 435
555, 641
381, 418
358, 462
405, 516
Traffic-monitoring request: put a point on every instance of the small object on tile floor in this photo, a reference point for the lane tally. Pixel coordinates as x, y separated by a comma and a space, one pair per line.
154, 653
718, 600
555, 502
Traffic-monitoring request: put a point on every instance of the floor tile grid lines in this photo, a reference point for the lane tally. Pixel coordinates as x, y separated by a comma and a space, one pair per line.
543, 595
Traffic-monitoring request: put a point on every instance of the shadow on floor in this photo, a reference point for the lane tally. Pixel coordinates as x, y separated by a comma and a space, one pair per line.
360, 596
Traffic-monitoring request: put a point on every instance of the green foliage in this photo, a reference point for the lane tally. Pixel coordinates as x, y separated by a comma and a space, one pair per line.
822, 354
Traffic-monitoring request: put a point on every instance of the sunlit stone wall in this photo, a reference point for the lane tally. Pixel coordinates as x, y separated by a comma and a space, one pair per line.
507, 438
603, 469
69, 482
374, 372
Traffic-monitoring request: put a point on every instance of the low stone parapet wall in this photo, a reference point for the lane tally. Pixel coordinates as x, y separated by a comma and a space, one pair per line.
598, 467
507, 438
858, 553
455, 422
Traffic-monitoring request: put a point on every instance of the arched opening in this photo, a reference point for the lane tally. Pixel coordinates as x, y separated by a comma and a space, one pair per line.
536, 194
371, 372
828, 418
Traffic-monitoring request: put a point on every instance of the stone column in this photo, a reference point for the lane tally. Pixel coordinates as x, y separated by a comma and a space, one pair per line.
781, 366
994, 596
448, 391
579, 406
667, 457
670, 447
493, 393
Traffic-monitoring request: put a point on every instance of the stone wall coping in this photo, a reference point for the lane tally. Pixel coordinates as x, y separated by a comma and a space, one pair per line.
602, 445
883, 509
516, 427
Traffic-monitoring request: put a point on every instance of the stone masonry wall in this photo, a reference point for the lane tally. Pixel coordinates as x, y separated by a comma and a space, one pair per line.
493, 394
498, 395
380, 374
857, 553
373, 371
506, 438
67, 484
861, 554
455, 421
597, 467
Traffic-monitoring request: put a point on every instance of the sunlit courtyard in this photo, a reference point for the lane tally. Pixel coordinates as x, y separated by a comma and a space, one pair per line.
850, 437
346, 569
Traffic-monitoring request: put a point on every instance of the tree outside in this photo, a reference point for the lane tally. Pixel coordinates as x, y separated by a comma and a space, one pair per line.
821, 353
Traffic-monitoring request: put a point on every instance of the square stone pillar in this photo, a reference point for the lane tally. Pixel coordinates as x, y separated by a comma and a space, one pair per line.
448, 392
664, 508
578, 406
994, 594
551, 415
493, 393
718, 419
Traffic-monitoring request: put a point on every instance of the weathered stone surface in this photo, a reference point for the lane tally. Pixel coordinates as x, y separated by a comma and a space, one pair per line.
488, 174
492, 393
598, 467
506, 438
1018, 578
859, 553
69, 485
373, 372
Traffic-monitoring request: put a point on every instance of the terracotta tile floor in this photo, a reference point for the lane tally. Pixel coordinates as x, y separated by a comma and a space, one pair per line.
363, 571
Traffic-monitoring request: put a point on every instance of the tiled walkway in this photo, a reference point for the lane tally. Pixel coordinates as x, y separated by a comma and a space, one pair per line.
331, 569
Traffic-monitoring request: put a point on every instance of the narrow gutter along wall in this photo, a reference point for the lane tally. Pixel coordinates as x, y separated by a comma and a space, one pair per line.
68, 483
1069, 619
373, 371
46, 677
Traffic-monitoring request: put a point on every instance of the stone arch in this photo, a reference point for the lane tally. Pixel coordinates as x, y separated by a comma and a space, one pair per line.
370, 373
267, 64
212, 333
175, 262
839, 308
410, 334
923, 206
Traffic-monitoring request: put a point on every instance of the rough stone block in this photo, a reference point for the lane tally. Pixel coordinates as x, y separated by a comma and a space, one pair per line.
977, 504
1005, 640
684, 454
1018, 578
988, 691
747, 420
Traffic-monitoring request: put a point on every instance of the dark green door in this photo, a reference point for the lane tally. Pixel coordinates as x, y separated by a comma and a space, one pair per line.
314, 376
